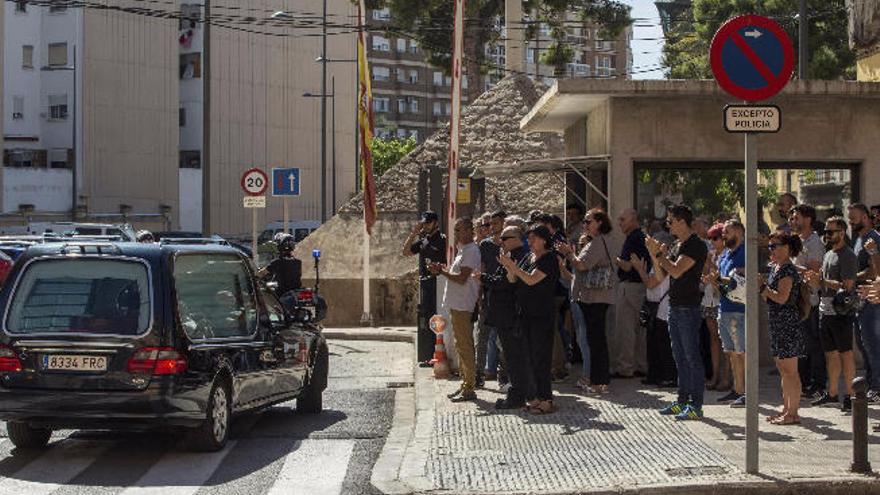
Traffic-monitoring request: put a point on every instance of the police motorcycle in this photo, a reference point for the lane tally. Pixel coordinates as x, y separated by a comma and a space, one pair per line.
305, 305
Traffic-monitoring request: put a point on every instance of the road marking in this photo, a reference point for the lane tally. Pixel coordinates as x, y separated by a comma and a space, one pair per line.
179, 473
60, 464
316, 467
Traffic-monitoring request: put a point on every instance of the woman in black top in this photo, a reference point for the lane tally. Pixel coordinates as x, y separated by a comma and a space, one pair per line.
536, 276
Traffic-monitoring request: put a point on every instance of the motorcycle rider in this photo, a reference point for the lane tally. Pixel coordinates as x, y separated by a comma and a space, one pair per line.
286, 269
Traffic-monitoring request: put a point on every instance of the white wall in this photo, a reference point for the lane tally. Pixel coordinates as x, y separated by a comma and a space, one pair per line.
190, 184
46, 189
22, 29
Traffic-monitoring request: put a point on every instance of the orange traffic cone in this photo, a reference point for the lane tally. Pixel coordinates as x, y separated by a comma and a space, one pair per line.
441, 364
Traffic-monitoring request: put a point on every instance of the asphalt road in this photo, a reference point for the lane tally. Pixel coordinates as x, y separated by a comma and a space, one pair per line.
276, 452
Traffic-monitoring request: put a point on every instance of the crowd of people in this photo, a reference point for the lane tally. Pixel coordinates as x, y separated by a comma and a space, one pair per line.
528, 298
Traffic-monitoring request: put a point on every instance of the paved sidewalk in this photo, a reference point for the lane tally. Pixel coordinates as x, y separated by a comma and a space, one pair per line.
618, 443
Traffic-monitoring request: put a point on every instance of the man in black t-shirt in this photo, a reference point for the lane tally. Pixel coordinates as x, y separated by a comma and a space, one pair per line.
426, 241
684, 265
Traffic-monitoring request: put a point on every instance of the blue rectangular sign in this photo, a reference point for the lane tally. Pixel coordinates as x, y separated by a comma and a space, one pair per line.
285, 182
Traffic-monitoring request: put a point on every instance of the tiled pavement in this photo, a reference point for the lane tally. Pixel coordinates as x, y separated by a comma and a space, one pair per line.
619, 442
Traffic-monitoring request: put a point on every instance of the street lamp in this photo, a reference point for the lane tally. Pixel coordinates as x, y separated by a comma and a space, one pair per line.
72, 68
332, 97
282, 15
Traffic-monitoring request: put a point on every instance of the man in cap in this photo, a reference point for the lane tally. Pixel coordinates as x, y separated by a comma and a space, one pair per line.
426, 241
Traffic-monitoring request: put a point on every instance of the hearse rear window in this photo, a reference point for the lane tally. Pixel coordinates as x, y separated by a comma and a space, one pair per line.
81, 296
215, 297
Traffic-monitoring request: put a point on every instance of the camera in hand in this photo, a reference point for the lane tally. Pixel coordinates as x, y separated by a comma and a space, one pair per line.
734, 289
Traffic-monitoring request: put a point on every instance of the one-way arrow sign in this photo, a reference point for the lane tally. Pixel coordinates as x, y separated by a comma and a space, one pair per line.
285, 182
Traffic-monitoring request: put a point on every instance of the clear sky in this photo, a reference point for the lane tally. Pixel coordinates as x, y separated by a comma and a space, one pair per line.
647, 45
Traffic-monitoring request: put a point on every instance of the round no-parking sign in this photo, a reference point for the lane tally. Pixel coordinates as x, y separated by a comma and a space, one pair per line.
752, 57
254, 182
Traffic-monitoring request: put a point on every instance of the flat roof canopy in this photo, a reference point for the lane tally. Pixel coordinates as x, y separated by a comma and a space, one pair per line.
556, 166
572, 99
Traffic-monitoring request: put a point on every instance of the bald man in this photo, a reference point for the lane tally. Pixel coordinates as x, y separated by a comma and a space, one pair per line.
628, 346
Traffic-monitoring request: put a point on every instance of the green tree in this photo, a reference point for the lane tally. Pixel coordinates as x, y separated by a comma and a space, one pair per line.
387, 152
686, 52
430, 23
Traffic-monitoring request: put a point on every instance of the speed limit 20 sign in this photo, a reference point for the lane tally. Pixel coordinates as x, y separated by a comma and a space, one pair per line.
254, 182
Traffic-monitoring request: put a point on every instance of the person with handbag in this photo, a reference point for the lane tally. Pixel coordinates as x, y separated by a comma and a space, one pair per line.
595, 292
654, 316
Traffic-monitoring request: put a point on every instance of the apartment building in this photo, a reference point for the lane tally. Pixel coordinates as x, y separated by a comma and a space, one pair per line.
122, 94
412, 98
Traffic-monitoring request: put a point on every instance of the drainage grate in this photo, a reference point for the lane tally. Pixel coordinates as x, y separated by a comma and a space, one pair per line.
400, 385
689, 472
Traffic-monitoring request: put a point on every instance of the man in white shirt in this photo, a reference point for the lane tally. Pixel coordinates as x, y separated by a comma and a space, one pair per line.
460, 298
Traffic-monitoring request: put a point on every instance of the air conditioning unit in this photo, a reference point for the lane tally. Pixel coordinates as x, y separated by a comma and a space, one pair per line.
17, 115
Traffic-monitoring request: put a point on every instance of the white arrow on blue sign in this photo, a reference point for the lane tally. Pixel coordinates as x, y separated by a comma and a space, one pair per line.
285, 182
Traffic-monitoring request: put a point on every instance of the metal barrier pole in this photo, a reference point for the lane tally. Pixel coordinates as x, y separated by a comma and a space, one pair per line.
860, 462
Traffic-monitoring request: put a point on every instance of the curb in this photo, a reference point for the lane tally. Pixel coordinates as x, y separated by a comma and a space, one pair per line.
374, 334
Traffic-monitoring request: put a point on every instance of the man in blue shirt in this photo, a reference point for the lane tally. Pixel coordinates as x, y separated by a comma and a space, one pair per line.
868, 326
731, 316
629, 354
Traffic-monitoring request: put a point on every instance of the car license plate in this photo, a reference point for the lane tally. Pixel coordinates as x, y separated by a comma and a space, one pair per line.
67, 362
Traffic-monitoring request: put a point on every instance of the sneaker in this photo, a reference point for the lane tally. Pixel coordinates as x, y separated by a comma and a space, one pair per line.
825, 400
739, 403
846, 407
672, 409
873, 397
690, 413
465, 396
732, 395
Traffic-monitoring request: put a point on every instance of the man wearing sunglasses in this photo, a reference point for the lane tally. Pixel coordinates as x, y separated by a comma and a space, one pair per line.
500, 310
839, 268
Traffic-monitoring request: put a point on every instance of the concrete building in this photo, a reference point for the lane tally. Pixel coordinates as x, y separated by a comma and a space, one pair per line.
617, 131
140, 99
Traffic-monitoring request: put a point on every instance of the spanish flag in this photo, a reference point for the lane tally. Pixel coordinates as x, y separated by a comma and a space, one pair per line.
365, 119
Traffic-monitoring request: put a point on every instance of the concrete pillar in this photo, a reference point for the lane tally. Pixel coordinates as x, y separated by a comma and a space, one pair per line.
515, 38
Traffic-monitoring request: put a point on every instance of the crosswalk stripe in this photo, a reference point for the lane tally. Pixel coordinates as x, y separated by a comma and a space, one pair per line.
316, 467
60, 464
179, 473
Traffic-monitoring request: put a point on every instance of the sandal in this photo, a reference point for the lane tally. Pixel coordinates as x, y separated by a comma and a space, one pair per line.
543, 407
776, 417
788, 419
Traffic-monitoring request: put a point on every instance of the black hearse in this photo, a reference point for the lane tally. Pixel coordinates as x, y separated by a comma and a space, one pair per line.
143, 336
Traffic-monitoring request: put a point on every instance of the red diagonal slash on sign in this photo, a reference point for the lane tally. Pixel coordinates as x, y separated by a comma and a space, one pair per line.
753, 57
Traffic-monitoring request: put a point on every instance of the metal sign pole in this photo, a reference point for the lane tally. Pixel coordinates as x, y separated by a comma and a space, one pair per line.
286, 215
254, 235
752, 308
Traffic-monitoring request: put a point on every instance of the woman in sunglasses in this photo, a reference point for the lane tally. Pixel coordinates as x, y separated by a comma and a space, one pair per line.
786, 339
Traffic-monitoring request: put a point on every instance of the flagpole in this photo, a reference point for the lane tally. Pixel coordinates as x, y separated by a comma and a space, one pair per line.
454, 130
365, 135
